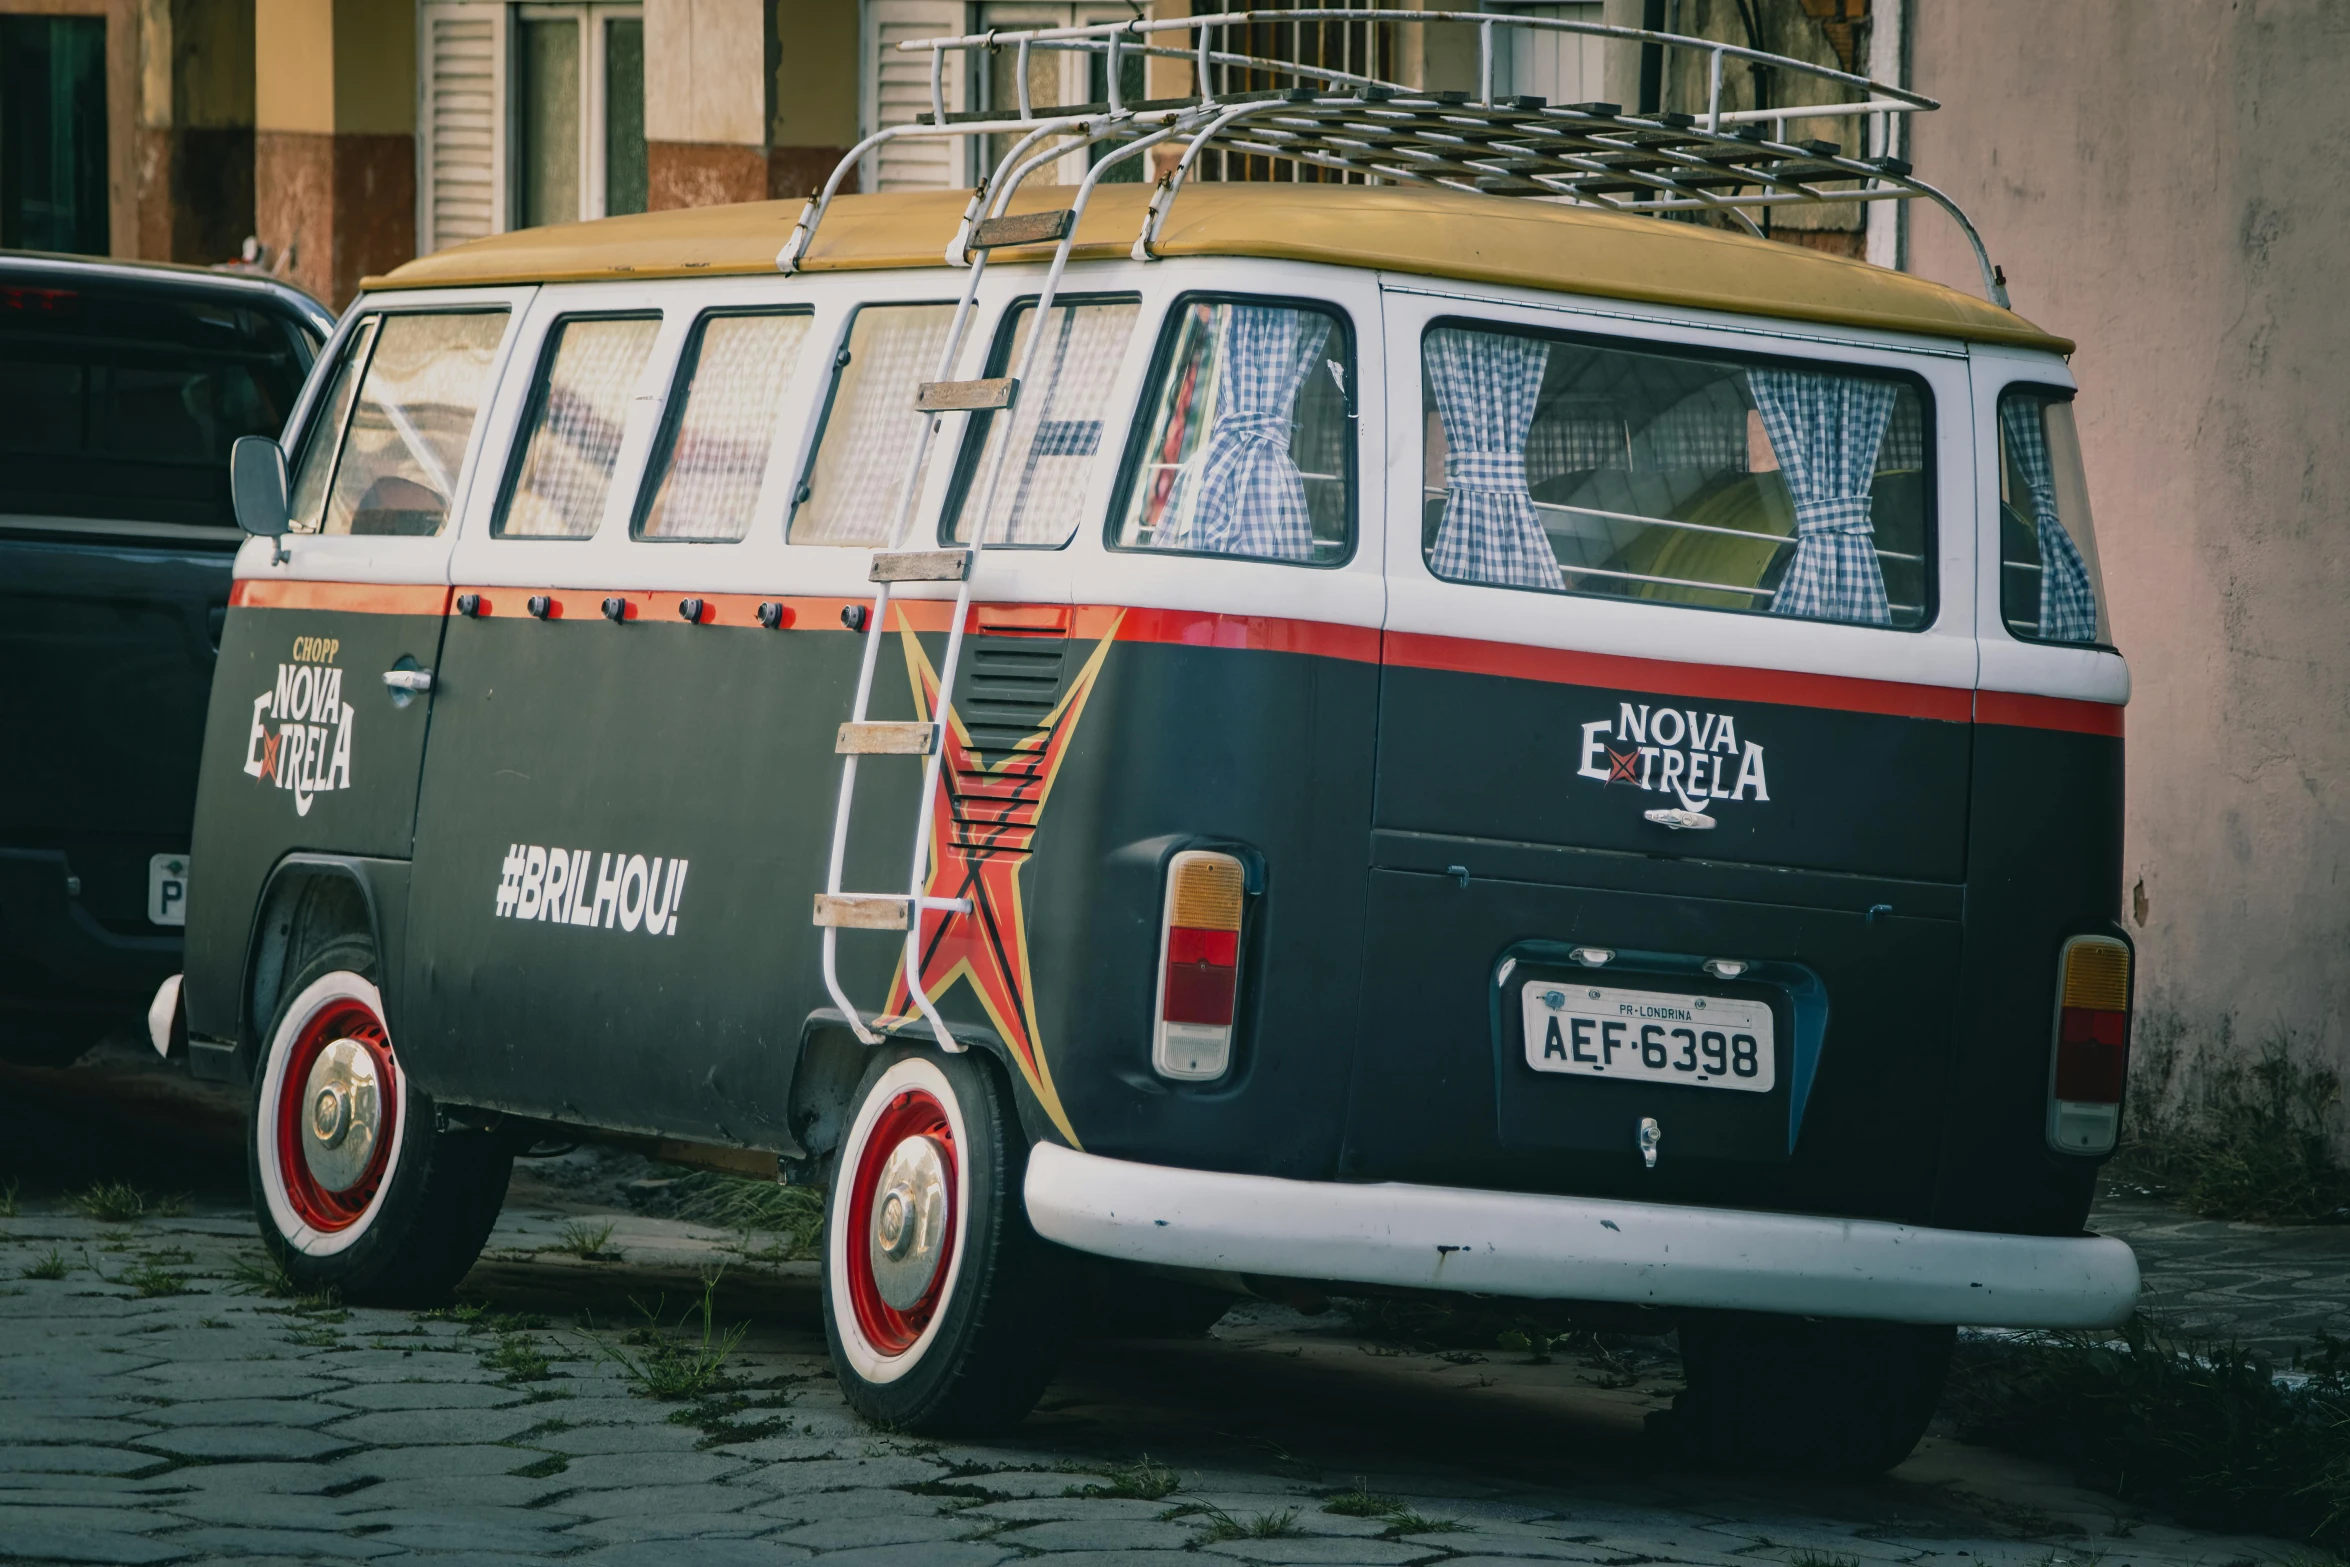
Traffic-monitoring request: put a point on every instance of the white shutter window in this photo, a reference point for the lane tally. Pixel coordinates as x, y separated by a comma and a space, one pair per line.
462, 192
897, 88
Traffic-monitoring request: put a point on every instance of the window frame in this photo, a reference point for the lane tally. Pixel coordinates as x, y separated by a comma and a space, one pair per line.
1930, 611
1138, 427
805, 476
972, 446
2048, 392
535, 402
673, 414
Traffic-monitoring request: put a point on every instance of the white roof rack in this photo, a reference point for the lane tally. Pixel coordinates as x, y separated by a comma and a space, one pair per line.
1731, 162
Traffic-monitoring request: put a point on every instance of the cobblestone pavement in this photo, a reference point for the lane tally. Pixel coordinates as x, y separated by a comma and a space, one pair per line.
157, 1404
2272, 1288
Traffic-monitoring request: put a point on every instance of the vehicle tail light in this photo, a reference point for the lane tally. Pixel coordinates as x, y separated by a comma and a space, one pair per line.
1199, 965
2092, 1045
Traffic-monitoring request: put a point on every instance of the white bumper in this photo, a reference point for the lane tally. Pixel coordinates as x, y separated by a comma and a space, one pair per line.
1574, 1248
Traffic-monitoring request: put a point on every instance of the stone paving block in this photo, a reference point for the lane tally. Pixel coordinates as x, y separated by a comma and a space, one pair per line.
717, 1553
235, 1379
308, 1545
439, 1463
1315, 1521
792, 1448
74, 1460
1516, 1547
583, 1439
267, 1411
1321, 1551
491, 1543
838, 1474
939, 1554
120, 1519
225, 1442
262, 1510
421, 1366
597, 1471
484, 1490
632, 1528
1103, 1534
1044, 1509
425, 1395
1781, 1541
810, 1506
652, 1500
16, 1427
838, 1534
435, 1427
68, 1407
274, 1479
46, 1542
427, 1510
1032, 1482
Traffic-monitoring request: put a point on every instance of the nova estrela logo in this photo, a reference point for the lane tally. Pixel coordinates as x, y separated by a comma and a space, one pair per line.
300, 740
1696, 757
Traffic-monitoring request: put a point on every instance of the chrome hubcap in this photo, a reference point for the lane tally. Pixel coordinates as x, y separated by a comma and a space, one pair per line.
909, 1222
344, 1094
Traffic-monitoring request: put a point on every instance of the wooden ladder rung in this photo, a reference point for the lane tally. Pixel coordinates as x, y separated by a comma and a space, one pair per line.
862, 910
1022, 228
885, 739
948, 397
920, 566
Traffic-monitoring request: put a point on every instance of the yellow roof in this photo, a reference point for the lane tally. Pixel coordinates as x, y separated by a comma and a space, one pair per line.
1418, 230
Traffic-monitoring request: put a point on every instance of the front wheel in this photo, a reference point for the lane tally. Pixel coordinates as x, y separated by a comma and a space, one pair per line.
941, 1306
357, 1186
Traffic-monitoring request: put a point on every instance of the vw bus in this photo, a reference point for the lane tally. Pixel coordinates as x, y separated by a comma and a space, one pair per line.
1440, 730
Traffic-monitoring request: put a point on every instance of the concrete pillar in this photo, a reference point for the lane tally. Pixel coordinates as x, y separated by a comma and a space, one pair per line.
195, 135
2162, 182
334, 154
746, 99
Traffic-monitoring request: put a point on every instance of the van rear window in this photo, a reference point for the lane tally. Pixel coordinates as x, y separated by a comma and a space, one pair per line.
122, 402
1033, 491
1564, 466
2050, 589
385, 449
857, 484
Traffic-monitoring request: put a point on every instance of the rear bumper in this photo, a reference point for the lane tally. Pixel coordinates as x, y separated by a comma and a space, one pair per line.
1574, 1248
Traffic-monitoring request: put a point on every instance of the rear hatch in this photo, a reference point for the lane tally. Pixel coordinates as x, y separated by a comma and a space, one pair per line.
1652, 876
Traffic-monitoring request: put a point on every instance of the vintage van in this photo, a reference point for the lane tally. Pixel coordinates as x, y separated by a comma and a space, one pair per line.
1374, 734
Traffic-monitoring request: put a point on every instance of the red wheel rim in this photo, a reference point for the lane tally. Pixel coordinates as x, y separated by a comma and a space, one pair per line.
344, 1017
914, 1112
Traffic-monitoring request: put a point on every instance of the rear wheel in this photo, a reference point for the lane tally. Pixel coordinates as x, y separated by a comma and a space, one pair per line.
1805, 1395
357, 1186
941, 1305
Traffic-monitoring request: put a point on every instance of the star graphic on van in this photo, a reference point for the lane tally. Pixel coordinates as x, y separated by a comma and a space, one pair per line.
1624, 765
984, 821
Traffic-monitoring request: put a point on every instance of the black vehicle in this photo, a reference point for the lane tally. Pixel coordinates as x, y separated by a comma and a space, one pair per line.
122, 388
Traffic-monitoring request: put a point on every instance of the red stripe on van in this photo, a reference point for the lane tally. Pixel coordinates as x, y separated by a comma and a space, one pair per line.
1667, 678
1256, 633
360, 598
2017, 710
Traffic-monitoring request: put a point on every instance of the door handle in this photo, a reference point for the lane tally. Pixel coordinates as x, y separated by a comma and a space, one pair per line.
1680, 821
413, 681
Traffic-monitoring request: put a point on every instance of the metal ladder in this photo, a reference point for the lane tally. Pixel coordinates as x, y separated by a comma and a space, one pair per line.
985, 228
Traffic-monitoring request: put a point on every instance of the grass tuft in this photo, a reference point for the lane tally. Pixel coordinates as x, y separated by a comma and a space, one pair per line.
793, 1215
265, 1275
2252, 1141
672, 1364
1405, 1522
585, 1238
119, 1202
1141, 1481
152, 1281
518, 1359
1262, 1526
2206, 1431
53, 1266
1362, 1503
1821, 1559
7, 1199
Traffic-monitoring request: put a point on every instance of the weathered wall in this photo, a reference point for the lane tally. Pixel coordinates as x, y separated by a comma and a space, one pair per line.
746, 99
334, 156
2162, 180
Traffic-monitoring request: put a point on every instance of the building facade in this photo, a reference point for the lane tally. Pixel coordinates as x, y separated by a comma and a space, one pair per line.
2157, 179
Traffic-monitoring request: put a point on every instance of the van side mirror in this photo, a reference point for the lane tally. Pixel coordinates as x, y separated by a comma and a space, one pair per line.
257, 483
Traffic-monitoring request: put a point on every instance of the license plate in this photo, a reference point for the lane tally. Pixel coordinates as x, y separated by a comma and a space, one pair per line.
167, 890
1650, 1036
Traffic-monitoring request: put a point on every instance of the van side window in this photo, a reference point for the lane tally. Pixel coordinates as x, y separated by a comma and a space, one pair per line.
2050, 589
571, 435
1567, 467
1032, 490
1247, 448
706, 472
858, 481
386, 449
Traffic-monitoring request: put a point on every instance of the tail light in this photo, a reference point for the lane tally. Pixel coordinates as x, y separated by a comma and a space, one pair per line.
2092, 1045
1199, 965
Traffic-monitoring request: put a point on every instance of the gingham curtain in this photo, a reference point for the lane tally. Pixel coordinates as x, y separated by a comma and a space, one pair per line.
1249, 498
2068, 605
567, 466
1486, 387
1825, 430
1056, 424
718, 455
